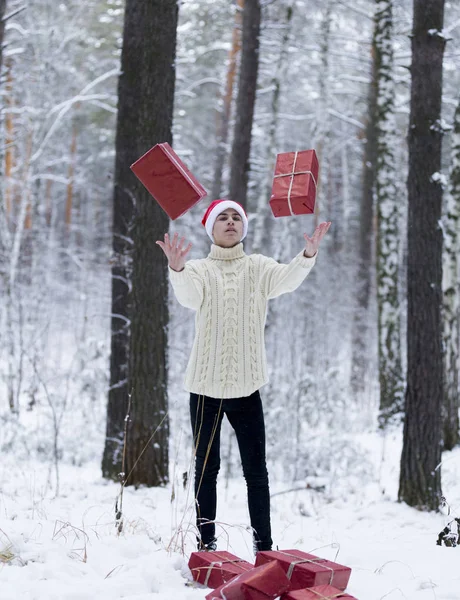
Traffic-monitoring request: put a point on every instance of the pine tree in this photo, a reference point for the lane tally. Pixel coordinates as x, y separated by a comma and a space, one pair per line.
261, 224
224, 115
361, 333
323, 125
420, 475
140, 287
2, 28
245, 102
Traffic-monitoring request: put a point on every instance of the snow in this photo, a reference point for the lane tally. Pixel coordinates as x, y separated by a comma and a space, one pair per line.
439, 178
67, 547
441, 126
436, 32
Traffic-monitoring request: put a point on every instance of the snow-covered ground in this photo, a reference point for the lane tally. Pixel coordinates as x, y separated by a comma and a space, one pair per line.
68, 548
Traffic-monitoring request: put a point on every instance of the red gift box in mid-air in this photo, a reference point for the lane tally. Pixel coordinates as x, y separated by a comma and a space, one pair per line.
320, 592
168, 180
307, 570
261, 583
216, 568
294, 183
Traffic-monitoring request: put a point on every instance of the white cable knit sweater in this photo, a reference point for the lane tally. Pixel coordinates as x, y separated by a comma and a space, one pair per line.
229, 291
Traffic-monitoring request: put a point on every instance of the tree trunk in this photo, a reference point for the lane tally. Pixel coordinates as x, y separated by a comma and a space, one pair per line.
450, 290
345, 191
322, 133
260, 224
247, 84
361, 333
390, 366
224, 116
420, 476
10, 188
139, 284
2, 207
2, 28
5, 243
70, 178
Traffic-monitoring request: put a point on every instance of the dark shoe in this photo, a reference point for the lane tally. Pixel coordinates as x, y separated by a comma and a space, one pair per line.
209, 547
262, 546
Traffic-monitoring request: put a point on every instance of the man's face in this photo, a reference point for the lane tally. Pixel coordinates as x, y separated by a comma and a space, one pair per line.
228, 229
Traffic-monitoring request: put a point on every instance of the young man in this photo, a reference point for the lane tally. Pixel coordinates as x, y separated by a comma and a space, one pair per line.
229, 291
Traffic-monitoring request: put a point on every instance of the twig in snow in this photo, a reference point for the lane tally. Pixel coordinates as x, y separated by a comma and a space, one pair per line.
119, 510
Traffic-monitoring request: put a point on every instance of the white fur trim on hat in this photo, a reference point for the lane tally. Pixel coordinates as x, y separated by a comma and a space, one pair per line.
219, 208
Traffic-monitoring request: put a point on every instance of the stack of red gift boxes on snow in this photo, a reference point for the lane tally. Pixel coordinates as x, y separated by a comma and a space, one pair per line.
289, 574
176, 190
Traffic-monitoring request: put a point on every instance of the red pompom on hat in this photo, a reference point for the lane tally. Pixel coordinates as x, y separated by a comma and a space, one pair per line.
218, 206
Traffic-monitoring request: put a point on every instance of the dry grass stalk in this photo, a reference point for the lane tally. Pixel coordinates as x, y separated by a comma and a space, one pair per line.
63, 530
7, 555
125, 478
117, 568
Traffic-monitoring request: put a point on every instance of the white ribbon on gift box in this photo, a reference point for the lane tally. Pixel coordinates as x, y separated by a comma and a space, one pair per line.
213, 566
291, 175
306, 560
321, 597
221, 591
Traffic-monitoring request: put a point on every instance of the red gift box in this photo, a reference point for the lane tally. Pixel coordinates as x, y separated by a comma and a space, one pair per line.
262, 583
294, 183
307, 570
168, 180
320, 592
216, 568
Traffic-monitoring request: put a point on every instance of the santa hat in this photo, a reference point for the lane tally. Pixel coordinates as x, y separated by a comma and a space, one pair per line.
218, 206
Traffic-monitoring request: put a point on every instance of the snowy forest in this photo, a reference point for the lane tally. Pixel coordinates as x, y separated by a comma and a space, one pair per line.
362, 407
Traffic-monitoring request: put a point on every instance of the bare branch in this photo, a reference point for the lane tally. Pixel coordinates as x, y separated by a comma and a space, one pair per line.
14, 13
355, 9
345, 118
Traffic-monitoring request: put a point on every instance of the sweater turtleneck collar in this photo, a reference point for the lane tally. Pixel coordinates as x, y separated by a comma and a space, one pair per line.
219, 253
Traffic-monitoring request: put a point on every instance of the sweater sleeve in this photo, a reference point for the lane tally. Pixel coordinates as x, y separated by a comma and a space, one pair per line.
278, 279
188, 286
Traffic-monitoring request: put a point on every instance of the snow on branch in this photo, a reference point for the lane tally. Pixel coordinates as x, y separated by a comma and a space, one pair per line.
204, 81
9, 52
437, 33
439, 178
454, 25
441, 126
288, 117
74, 100
50, 177
17, 27
104, 106
64, 107
357, 10
345, 118
99, 79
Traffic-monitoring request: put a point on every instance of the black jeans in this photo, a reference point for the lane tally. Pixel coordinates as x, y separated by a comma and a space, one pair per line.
247, 419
